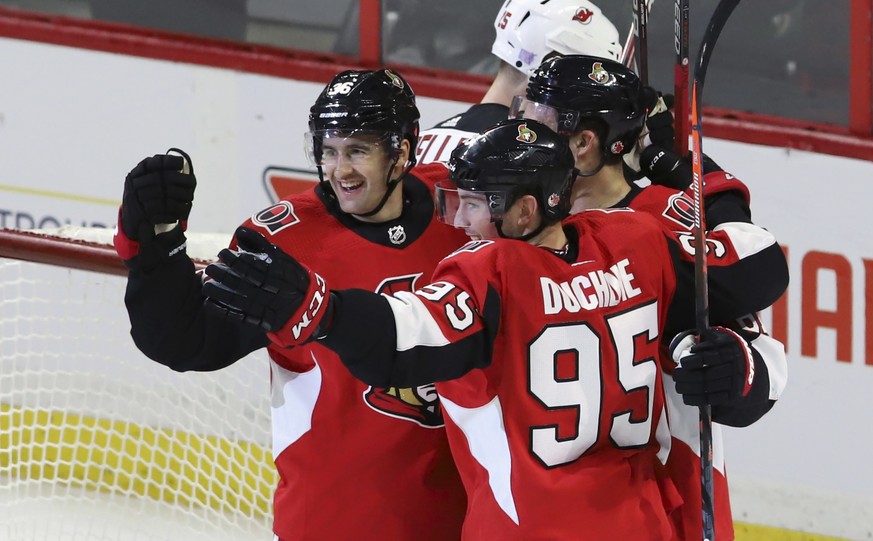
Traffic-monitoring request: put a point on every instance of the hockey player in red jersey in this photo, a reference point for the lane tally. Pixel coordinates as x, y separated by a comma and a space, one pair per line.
544, 342
598, 105
354, 461
526, 33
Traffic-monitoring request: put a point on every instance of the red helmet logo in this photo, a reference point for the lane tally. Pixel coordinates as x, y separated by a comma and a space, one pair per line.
583, 15
554, 200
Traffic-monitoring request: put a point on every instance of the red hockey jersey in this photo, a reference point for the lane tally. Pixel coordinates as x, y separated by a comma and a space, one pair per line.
674, 210
548, 372
356, 460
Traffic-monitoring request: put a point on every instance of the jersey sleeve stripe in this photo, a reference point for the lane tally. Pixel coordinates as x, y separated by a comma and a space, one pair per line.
415, 325
747, 239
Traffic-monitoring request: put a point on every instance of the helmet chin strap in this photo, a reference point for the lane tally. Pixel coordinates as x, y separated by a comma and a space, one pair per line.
532, 234
596, 169
391, 184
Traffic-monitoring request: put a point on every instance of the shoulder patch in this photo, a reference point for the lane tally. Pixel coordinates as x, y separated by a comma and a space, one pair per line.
277, 217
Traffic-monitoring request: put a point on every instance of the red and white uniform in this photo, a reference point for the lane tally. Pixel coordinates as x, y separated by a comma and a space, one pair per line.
548, 371
355, 461
436, 144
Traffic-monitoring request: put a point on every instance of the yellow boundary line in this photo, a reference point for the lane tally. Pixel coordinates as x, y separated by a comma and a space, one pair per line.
753, 532
172, 466
60, 195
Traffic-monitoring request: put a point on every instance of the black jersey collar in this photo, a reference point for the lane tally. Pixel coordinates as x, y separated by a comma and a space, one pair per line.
398, 233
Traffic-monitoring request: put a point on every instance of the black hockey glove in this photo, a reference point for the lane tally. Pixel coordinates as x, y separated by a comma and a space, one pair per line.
264, 286
158, 196
666, 168
659, 122
658, 130
718, 370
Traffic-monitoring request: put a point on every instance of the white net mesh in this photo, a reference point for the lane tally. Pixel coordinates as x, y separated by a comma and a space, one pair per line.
98, 442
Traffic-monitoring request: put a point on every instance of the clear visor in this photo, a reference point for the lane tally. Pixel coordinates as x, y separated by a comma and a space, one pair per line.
465, 208
523, 108
355, 147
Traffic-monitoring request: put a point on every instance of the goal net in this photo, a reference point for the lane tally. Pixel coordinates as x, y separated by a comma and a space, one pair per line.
98, 442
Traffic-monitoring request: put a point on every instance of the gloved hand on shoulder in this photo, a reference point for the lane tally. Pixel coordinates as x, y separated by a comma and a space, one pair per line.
264, 286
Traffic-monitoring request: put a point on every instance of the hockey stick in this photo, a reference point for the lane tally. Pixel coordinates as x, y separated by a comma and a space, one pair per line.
680, 75
638, 39
713, 30
642, 39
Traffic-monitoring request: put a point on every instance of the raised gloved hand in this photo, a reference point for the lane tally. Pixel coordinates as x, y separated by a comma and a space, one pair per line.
158, 196
717, 370
658, 128
264, 286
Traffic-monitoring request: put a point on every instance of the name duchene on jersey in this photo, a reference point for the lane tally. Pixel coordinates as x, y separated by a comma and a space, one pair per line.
590, 290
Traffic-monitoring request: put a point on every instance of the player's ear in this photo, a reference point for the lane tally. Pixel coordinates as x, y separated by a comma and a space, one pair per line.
584, 143
402, 157
528, 211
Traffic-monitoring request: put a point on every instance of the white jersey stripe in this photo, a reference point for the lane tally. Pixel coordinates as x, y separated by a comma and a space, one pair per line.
486, 436
748, 239
415, 326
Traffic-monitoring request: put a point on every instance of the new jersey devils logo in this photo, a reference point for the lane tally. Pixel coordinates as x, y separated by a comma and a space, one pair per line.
417, 404
583, 15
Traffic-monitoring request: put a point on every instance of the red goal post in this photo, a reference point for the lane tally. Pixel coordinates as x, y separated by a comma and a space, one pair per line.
85, 248
96, 440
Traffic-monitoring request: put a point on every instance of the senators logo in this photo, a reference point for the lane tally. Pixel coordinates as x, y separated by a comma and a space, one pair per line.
599, 74
417, 404
680, 209
525, 134
277, 217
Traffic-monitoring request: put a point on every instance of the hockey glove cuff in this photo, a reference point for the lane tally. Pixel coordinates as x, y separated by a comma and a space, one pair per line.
719, 369
149, 255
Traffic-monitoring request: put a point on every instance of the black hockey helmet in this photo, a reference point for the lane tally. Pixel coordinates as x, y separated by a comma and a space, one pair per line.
515, 158
376, 103
576, 87
373, 101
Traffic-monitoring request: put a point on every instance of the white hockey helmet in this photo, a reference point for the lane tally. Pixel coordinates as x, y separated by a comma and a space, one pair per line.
528, 30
